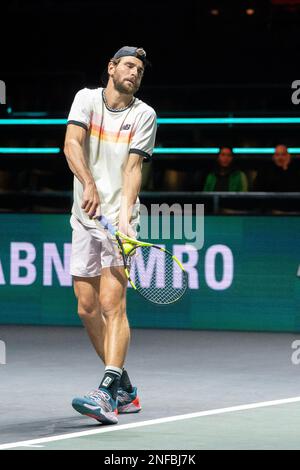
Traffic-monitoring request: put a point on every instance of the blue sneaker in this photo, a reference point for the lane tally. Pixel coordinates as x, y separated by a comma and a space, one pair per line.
128, 402
99, 405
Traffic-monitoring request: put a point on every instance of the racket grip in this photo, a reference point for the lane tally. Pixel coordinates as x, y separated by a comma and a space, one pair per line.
103, 220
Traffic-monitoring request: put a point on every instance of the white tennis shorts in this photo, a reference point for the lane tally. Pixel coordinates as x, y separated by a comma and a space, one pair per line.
92, 250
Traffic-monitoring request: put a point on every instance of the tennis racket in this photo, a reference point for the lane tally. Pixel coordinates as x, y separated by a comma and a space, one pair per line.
151, 270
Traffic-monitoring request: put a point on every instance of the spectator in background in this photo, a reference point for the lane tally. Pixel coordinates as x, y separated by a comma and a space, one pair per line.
282, 176
225, 175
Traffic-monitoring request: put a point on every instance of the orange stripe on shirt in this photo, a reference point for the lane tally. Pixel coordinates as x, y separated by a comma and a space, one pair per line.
121, 137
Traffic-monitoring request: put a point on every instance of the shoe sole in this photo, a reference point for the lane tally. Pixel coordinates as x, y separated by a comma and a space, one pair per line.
104, 418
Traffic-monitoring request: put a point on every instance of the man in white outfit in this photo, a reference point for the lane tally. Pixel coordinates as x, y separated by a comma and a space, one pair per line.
110, 133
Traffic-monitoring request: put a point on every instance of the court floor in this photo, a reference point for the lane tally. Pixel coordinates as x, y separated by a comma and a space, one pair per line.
199, 390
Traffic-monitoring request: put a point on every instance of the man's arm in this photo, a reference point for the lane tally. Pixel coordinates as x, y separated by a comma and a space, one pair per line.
132, 178
75, 155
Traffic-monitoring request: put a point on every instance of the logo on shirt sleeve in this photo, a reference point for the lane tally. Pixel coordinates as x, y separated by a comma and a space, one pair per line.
126, 127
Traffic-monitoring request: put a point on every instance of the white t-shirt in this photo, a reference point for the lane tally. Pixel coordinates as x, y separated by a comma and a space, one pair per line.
111, 137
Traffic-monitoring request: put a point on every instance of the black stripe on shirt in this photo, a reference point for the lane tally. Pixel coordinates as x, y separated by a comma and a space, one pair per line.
78, 123
147, 156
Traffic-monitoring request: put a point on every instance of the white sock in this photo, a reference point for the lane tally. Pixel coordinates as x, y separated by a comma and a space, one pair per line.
113, 369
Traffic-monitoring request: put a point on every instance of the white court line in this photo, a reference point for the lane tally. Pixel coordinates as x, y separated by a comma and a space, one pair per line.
32, 446
151, 422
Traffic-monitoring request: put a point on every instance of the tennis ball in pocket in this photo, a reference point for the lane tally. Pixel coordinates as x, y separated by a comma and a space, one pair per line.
127, 248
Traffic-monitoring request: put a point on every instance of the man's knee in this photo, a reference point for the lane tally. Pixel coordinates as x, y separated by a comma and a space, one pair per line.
112, 306
87, 307
87, 296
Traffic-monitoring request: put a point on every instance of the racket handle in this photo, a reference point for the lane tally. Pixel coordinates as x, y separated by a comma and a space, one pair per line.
103, 220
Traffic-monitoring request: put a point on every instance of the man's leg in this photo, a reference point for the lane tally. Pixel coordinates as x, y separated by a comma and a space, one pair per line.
113, 307
112, 300
102, 309
87, 292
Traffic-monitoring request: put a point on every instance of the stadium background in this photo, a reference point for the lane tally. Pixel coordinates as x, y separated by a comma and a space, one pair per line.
209, 60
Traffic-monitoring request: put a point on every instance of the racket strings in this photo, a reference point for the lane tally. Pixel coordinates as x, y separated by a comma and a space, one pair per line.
157, 276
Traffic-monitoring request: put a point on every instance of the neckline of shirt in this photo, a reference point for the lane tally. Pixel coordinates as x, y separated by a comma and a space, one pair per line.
116, 110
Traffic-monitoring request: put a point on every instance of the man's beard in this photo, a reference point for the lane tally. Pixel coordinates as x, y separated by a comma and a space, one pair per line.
120, 87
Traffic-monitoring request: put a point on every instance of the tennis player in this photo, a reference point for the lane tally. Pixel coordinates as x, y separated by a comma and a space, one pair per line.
109, 134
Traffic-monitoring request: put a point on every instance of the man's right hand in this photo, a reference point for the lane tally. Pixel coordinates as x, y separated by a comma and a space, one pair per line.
91, 200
